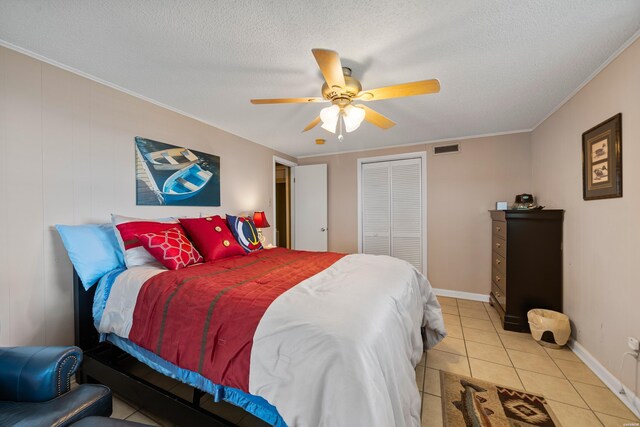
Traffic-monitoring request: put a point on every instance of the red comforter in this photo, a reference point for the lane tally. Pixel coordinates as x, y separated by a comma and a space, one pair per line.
203, 318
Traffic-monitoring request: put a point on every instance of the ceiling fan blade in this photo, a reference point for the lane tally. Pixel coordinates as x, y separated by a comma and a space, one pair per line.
312, 124
331, 67
422, 87
287, 100
372, 116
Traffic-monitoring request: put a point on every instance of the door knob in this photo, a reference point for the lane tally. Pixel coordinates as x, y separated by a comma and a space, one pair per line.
323, 229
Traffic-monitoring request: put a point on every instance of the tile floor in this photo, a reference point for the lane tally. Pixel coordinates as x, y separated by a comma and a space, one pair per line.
477, 346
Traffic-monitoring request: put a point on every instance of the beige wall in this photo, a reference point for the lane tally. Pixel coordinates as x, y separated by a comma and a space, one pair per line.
67, 156
461, 188
601, 237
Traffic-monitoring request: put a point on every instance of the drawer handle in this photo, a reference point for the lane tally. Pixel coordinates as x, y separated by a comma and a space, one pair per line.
498, 261
498, 228
498, 294
498, 245
497, 278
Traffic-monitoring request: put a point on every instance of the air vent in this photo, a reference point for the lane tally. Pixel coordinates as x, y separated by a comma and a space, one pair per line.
446, 149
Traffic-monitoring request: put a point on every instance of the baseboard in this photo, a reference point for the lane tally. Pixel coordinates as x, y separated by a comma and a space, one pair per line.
462, 295
629, 398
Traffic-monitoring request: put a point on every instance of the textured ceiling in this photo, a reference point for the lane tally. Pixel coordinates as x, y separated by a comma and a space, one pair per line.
503, 65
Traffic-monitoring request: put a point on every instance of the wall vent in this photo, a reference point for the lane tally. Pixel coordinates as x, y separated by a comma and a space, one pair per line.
446, 149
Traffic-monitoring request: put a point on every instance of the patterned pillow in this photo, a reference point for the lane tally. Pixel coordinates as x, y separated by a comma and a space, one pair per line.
245, 232
127, 229
170, 247
212, 237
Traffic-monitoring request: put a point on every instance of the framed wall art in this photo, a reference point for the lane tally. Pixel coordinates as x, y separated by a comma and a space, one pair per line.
173, 175
602, 160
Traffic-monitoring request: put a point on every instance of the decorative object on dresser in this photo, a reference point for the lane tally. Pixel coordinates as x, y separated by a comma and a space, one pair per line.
602, 160
524, 201
526, 264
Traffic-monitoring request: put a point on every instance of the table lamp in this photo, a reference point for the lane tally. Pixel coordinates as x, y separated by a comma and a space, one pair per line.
260, 220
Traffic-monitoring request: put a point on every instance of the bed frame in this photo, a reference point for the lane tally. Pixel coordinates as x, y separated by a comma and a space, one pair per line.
105, 363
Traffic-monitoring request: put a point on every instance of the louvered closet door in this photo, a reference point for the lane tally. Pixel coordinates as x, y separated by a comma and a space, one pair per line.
376, 238
406, 211
391, 210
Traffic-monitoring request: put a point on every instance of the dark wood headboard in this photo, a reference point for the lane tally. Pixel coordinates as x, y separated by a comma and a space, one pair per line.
86, 335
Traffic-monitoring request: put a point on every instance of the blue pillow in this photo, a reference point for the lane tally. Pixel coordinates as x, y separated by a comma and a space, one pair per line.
93, 249
245, 232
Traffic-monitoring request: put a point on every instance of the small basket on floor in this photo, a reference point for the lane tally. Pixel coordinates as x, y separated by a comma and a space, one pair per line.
549, 328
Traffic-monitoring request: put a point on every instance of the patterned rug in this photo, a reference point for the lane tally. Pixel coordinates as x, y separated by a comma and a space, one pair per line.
469, 402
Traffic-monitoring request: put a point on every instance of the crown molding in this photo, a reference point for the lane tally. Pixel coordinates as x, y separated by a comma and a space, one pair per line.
597, 71
103, 82
412, 144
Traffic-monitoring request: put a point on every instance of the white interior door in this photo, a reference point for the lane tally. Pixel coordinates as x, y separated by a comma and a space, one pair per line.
310, 195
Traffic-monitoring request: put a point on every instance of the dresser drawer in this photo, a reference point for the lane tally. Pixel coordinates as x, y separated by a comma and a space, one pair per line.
499, 278
499, 245
498, 261
500, 229
499, 296
498, 216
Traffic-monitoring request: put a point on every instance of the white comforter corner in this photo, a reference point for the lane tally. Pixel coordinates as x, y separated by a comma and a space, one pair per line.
340, 348
117, 317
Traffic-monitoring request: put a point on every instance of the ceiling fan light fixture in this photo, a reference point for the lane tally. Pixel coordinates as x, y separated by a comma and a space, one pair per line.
329, 117
353, 117
341, 89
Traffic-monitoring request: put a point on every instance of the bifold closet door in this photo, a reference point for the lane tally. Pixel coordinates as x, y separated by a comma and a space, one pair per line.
376, 236
391, 209
406, 211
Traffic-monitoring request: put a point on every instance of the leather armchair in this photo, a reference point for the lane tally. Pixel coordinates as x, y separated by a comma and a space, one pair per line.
35, 388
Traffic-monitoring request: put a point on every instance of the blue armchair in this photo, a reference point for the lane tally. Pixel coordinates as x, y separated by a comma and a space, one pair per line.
35, 387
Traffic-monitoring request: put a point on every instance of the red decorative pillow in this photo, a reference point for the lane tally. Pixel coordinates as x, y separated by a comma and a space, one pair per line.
127, 230
212, 237
171, 248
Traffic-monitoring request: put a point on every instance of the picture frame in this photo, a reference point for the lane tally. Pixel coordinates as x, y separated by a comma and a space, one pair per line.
602, 160
174, 175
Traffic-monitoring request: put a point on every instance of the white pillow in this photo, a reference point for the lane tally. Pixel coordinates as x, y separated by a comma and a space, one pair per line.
126, 229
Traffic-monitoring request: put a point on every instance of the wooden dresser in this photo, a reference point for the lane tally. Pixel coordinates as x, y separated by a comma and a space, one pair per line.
526, 264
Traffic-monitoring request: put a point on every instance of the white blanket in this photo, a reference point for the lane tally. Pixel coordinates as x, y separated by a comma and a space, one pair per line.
338, 349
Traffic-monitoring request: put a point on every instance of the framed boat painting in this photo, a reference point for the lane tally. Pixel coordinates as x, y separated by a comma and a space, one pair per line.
602, 160
172, 175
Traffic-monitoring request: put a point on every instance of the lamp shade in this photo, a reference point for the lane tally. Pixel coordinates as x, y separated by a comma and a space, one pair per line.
329, 117
260, 220
353, 116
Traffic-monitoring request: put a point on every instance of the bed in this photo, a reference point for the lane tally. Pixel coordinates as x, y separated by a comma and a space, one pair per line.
294, 338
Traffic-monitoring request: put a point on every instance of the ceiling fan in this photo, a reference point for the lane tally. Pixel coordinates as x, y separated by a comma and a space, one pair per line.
341, 89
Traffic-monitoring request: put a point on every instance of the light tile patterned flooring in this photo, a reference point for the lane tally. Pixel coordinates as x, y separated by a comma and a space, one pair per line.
476, 346
479, 347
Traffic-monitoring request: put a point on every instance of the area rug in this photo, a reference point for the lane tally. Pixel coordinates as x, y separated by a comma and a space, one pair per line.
469, 402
